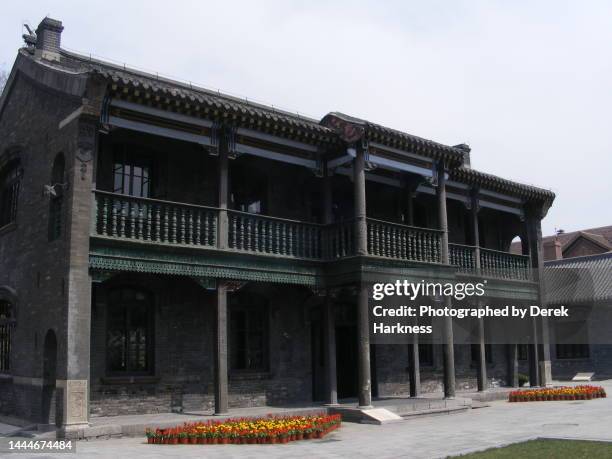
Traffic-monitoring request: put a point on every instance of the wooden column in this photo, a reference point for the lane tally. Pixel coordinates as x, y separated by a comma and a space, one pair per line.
512, 365
328, 199
414, 365
363, 336
329, 322
481, 376
542, 372
221, 391
361, 238
447, 347
329, 338
223, 172
363, 319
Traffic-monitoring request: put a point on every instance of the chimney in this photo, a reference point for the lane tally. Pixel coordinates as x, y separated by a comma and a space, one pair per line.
48, 39
465, 149
552, 250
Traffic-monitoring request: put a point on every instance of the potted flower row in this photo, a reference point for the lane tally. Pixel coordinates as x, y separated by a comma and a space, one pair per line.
270, 429
557, 393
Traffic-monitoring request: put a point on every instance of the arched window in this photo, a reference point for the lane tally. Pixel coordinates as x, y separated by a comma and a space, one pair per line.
56, 201
129, 336
10, 182
6, 324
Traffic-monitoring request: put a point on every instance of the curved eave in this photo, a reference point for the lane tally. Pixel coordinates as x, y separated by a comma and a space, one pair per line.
501, 185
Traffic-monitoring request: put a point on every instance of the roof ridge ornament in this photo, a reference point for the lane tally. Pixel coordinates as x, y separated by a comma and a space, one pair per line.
346, 130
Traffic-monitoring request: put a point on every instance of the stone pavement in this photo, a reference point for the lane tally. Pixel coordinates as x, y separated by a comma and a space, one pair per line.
500, 424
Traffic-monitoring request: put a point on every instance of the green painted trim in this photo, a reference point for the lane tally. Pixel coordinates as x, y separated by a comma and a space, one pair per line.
108, 257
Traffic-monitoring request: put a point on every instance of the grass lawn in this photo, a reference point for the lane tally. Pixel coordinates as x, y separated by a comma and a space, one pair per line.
549, 449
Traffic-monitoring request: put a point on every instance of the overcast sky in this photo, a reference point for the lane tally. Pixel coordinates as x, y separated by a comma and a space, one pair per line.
528, 85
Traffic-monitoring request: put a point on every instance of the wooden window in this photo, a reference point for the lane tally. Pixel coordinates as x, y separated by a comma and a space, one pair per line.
129, 343
426, 354
249, 190
10, 183
249, 333
131, 173
6, 323
572, 340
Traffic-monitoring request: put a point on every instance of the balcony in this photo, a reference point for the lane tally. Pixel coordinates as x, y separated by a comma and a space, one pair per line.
169, 223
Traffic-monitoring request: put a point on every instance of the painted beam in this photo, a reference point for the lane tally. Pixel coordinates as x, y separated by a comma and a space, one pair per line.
158, 130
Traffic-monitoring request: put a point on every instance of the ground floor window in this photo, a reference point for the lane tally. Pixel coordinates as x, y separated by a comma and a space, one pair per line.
488, 352
248, 332
523, 351
426, 354
6, 316
129, 343
572, 340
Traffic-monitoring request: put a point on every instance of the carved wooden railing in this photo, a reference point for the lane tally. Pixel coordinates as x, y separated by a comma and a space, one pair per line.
339, 240
463, 257
495, 263
393, 240
274, 236
154, 220
165, 222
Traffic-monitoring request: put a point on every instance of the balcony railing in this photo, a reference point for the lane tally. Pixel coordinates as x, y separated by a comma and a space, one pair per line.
493, 263
274, 236
392, 240
463, 257
170, 223
153, 220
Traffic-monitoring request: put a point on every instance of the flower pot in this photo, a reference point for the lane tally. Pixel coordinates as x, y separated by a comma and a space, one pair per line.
299, 436
173, 441
184, 441
201, 440
193, 440
150, 440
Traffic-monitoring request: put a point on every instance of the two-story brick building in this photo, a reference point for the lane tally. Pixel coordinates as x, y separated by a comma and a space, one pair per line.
168, 247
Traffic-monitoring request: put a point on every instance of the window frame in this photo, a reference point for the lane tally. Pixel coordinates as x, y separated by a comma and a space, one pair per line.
10, 187
150, 331
132, 159
251, 304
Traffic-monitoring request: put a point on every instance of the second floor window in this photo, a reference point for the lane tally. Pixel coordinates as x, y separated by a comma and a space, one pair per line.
131, 174
10, 182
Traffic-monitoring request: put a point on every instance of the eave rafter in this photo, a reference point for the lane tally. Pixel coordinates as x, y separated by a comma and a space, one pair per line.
218, 112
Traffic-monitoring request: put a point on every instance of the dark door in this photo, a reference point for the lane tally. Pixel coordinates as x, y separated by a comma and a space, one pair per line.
318, 358
346, 360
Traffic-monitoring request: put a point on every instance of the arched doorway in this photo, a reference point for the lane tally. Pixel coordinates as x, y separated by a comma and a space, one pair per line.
49, 414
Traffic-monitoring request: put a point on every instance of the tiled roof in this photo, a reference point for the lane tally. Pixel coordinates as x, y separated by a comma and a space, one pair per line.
502, 185
601, 233
268, 118
157, 85
580, 280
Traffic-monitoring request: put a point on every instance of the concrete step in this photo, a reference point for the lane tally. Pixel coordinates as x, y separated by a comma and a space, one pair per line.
435, 411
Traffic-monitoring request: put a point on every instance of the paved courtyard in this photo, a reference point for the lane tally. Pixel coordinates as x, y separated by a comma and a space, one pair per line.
500, 424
